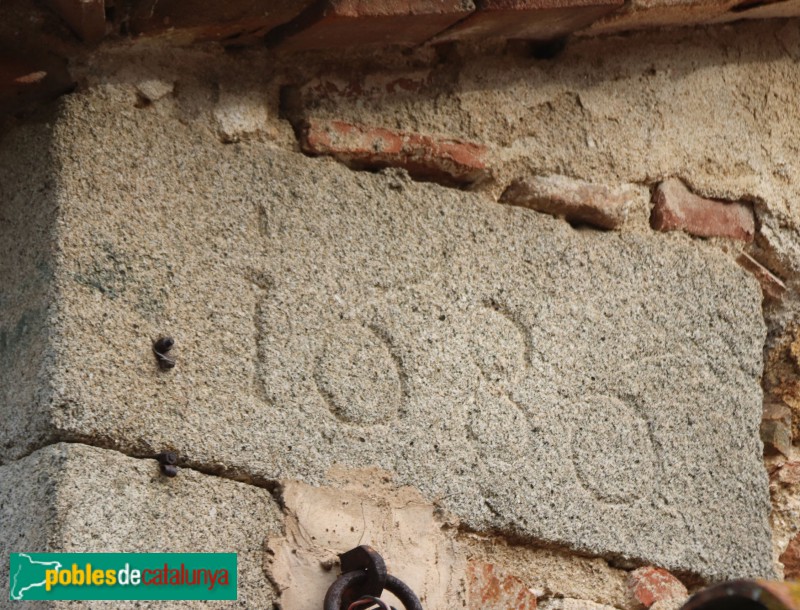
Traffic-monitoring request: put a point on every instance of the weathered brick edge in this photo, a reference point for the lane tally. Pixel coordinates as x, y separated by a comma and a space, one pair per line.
650, 585
598, 205
676, 208
443, 160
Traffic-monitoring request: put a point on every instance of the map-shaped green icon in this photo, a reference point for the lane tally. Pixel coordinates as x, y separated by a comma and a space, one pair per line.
28, 573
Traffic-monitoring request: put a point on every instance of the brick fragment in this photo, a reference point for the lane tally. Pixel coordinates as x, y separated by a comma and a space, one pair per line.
790, 559
776, 429
771, 286
650, 585
32, 78
577, 201
340, 24
529, 19
492, 589
787, 473
676, 208
424, 157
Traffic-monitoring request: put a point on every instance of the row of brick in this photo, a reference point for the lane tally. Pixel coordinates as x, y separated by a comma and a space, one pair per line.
491, 588
298, 25
38, 38
334, 24
456, 162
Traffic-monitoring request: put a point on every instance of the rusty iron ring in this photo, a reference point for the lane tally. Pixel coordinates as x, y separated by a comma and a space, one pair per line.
348, 580
747, 595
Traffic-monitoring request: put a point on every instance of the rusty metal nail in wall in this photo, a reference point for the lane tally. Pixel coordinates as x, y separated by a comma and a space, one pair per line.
160, 348
168, 461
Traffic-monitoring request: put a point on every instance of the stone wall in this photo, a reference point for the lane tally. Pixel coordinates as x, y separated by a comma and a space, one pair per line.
502, 317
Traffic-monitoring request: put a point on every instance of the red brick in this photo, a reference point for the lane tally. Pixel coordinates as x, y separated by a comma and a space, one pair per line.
790, 559
529, 19
424, 157
771, 286
87, 18
340, 24
650, 585
575, 200
491, 589
676, 208
220, 21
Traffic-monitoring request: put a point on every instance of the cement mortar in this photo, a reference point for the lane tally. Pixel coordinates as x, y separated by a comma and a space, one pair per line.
552, 573
593, 390
714, 106
71, 497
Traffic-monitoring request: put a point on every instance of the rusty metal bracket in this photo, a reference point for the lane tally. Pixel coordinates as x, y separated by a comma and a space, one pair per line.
368, 559
364, 575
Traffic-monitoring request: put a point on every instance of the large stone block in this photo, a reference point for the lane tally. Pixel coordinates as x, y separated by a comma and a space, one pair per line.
593, 390
27, 242
76, 498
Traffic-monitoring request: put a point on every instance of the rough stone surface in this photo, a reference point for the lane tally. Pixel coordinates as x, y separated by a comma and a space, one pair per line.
576, 200
493, 589
650, 585
677, 208
776, 428
27, 241
153, 89
426, 157
126, 505
512, 383
242, 113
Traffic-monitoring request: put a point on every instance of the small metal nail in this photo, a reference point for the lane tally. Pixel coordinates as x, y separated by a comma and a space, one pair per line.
168, 461
160, 348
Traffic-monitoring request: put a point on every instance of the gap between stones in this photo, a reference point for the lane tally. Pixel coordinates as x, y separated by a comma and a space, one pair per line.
239, 475
275, 490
